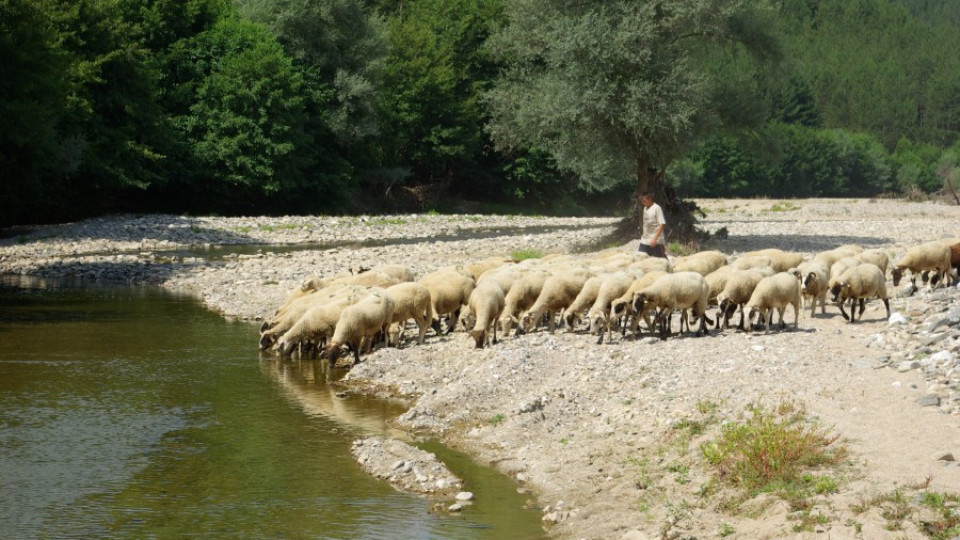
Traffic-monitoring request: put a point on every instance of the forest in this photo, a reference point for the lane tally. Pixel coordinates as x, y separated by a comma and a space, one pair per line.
243, 107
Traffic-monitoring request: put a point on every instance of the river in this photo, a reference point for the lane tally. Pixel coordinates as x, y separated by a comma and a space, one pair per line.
131, 412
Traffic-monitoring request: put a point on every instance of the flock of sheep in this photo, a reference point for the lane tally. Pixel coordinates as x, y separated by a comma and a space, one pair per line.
607, 291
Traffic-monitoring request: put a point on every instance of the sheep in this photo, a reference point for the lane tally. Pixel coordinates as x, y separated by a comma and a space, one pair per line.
449, 291
954, 245
775, 292
585, 298
520, 297
651, 264
831, 256
360, 321
876, 257
681, 290
316, 325
780, 260
860, 283
283, 321
506, 277
486, 301
410, 300
928, 256
838, 268
702, 262
814, 278
477, 269
736, 293
746, 262
397, 271
599, 314
559, 291
717, 280
622, 308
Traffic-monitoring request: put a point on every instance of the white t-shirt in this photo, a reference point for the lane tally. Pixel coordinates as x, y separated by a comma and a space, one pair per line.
652, 218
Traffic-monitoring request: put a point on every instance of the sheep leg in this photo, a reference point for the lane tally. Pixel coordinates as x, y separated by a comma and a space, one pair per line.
356, 352
842, 311
863, 306
452, 323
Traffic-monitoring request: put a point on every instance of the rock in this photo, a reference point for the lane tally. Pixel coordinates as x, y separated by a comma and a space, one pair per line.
455, 507
464, 496
907, 365
929, 401
896, 318
941, 357
943, 456
634, 535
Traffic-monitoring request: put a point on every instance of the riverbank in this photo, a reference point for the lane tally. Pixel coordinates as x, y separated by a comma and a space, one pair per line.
592, 430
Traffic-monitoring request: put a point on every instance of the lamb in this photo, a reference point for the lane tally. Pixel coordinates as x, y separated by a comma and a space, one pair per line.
622, 308
520, 297
559, 291
487, 302
410, 300
814, 279
860, 283
681, 290
928, 256
360, 321
775, 292
737, 292
780, 260
449, 291
599, 314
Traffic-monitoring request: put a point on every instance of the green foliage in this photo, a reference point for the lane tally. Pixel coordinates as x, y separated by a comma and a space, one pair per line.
770, 452
524, 254
608, 98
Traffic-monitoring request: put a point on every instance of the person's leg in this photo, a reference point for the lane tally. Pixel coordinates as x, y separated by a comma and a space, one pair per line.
645, 248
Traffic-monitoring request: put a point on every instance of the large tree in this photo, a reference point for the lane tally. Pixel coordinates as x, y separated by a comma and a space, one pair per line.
617, 89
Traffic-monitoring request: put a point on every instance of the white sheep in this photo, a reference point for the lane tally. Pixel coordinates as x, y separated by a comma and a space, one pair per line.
814, 279
613, 287
858, 284
585, 298
746, 262
520, 297
652, 264
671, 292
933, 256
486, 302
316, 326
411, 300
877, 257
717, 280
283, 321
838, 268
397, 271
737, 292
775, 292
478, 268
559, 291
449, 291
780, 260
358, 322
621, 309
831, 256
701, 262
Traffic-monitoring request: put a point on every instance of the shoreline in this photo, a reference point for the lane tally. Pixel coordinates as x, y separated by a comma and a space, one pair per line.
578, 423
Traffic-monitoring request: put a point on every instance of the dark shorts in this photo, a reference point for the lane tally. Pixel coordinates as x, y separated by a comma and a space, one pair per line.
656, 251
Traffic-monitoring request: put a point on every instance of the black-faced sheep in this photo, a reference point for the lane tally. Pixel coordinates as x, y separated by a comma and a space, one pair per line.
486, 302
363, 320
775, 292
585, 298
671, 292
621, 310
858, 284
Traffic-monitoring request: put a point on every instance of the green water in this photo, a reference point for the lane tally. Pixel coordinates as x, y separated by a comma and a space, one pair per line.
134, 413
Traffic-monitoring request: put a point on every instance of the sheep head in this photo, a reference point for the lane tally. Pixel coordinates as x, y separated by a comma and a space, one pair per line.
897, 275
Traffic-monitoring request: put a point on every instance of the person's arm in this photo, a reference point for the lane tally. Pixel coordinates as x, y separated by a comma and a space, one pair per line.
656, 235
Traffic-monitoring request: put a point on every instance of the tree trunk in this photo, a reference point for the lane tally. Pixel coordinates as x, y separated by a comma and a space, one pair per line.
681, 222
